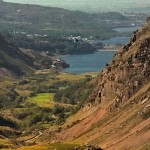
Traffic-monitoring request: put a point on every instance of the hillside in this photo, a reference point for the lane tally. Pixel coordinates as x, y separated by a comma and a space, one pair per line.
15, 62
12, 61
50, 45
56, 21
116, 115
92, 5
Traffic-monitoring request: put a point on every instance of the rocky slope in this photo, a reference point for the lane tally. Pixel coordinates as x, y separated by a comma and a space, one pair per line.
16, 62
116, 115
127, 73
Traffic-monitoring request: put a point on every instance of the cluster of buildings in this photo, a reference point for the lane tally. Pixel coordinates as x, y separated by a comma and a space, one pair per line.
76, 38
30, 35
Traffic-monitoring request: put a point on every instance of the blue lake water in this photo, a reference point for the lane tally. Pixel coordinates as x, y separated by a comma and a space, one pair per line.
116, 40
97, 61
113, 40
88, 63
92, 62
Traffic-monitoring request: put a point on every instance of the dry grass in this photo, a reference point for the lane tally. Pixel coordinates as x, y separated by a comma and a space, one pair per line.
70, 77
5, 143
58, 146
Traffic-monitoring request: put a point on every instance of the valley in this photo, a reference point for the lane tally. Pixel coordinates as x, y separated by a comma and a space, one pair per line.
35, 109
72, 80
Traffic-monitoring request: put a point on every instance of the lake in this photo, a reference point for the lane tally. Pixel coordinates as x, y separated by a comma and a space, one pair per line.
97, 61
112, 41
117, 40
87, 63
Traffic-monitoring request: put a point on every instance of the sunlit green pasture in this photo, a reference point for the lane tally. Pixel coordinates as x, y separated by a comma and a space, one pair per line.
43, 99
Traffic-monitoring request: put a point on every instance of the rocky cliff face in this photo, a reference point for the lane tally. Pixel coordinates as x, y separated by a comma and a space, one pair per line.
127, 73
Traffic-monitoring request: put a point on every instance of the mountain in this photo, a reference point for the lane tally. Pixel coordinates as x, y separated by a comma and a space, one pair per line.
117, 114
33, 19
90, 5
16, 62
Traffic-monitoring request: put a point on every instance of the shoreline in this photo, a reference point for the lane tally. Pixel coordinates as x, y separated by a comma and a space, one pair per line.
107, 50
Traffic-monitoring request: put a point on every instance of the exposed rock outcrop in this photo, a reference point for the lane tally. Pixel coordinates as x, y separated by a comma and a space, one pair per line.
127, 73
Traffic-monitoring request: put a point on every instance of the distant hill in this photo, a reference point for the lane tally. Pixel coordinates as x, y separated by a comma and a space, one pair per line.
51, 45
49, 28
57, 21
91, 5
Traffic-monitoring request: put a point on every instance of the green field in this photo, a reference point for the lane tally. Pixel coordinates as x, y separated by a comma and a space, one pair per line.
45, 84
43, 100
35, 106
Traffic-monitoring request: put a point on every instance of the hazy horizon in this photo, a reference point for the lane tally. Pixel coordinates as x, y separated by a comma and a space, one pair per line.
92, 5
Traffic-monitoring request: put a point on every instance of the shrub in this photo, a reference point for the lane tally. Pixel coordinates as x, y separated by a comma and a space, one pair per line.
47, 118
36, 118
58, 110
76, 92
146, 114
23, 82
7, 122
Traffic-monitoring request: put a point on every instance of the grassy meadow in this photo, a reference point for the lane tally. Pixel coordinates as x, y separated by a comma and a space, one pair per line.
43, 99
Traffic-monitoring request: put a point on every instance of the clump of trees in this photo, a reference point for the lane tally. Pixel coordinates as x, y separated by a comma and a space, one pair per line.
146, 114
7, 122
53, 88
76, 93
9, 98
33, 115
